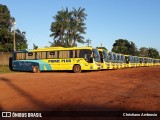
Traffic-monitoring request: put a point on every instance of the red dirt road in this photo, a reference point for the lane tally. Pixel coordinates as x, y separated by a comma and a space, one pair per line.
125, 89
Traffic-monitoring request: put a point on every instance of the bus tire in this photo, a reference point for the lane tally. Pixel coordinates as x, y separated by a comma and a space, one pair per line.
77, 69
35, 69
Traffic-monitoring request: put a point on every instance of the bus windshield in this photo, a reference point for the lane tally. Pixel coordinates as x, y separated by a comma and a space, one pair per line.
96, 55
105, 56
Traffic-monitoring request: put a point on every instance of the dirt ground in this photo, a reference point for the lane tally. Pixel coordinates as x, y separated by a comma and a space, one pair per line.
109, 90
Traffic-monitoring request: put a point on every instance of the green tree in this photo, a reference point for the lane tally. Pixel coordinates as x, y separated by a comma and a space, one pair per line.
35, 47
88, 41
68, 27
143, 51
6, 42
5, 18
21, 41
6, 34
153, 53
125, 47
5, 29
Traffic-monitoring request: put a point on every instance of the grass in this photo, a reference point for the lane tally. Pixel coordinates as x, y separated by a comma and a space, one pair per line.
5, 69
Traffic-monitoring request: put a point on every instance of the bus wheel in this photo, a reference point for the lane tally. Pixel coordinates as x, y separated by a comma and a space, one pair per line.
35, 69
77, 69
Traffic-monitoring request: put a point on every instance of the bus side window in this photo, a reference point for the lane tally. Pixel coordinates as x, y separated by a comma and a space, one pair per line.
30, 56
71, 54
64, 54
50, 54
41, 55
87, 55
81, 54
20, 56
75, 54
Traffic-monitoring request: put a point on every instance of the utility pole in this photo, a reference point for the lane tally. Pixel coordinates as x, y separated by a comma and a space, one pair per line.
101, 45
14, 36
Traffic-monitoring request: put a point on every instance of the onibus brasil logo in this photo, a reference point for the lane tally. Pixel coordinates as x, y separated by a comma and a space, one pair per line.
21, 114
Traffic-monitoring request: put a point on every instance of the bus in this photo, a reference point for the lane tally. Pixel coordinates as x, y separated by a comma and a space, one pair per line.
104, 59
132, 61
107, 59
142, 61
111, 60
117, 60
121, 60
127, 59
57, 58
148, 61
156, 62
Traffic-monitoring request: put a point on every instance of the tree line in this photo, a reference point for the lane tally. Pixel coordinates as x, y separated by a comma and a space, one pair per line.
67, 29
125, 47
7, 32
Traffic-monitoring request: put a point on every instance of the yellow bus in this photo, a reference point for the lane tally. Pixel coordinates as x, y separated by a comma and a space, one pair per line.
142, 61
148, 61
121, 60
156, 62
132, 61
104, 59
111, 60
57, 58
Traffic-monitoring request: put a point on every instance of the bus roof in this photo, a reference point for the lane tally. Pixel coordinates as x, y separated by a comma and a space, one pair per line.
61, 48
100, 50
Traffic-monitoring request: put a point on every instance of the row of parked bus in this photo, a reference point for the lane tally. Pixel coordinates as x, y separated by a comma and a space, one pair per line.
76, 59
111, 60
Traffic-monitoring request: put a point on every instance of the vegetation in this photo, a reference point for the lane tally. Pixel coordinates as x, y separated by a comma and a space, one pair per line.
68, 27
4, 69
21, 41
143, 51
149, 52
153, 53
35, 47
125, 47
6, 33
88, 41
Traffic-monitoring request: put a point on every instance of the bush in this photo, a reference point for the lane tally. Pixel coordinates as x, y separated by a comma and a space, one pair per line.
4, 68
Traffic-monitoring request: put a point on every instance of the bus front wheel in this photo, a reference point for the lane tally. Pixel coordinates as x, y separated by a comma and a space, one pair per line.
35, 69
77, 69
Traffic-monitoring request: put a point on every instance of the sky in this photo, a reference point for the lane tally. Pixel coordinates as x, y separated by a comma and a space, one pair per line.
107, 20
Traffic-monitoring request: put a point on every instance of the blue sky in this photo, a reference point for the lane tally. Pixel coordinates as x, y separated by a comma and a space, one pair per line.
107, 20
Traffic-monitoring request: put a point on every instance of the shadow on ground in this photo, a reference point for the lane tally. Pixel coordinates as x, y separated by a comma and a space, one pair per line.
0, 108
86, 110
23, 93
59, 107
